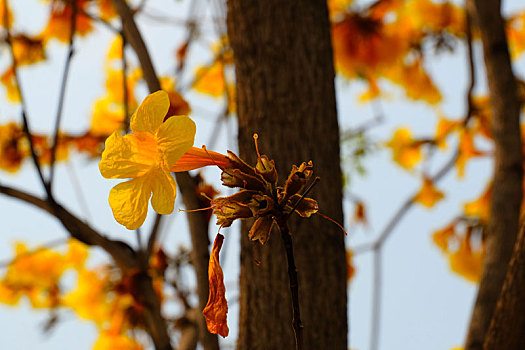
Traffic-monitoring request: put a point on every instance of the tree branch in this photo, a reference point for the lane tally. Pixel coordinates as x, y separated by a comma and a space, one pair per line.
25, 121
70, 53
508, 324
123, 255
508, 168
294, 282
198, 224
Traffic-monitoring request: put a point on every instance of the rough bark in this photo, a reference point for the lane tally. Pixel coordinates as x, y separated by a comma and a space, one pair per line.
508, 324
285, 93
508, 172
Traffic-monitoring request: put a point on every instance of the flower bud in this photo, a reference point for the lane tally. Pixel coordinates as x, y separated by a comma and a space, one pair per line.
261, 229
298, 178
306, 208
261, 204
266, 168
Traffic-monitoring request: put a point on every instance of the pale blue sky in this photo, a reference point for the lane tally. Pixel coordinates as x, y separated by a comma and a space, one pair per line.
425, 306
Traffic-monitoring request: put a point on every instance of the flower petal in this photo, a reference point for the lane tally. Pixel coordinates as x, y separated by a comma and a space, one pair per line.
129, 201
119, 160
151, 112
164, 191
197, 158
175, 137
217, 308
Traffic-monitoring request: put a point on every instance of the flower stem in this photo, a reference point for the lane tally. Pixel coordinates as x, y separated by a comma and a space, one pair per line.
294, 282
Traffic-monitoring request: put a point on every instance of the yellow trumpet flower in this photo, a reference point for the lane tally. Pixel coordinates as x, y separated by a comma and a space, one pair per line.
146, 157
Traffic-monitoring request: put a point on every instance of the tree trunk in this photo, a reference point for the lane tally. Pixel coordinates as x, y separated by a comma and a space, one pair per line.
285, 93
508, 324
508, 169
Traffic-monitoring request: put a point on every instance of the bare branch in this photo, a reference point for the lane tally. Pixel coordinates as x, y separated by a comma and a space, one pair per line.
70, 53
123, 255
25, 120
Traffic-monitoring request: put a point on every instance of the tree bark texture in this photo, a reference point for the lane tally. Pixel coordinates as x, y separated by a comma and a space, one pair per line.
508, 168
285, 93
507, 329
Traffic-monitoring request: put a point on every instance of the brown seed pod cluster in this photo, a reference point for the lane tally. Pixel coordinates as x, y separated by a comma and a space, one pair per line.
260, 197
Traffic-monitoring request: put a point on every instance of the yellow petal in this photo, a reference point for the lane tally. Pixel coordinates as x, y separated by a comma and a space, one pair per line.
151, 112
164, 191
481, 206
129, 201
428, 195
441, 237
467, 263
211, 79
405, 150
118, 160
108, 340
175, 137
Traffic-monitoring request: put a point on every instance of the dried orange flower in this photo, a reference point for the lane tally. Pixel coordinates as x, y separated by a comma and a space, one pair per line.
216, 309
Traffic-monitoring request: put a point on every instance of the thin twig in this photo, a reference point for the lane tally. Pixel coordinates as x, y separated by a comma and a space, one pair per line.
70, 53
376, 301
99, 20
138, 235
378, 244
84, 207
192, 32
400, 213
25, 120
294, 282
217, 128
134, 38
124, 82
153, 235
122, 253
305, 193
471, 69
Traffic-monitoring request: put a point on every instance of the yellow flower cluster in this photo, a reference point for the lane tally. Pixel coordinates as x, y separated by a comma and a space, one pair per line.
463, 258
100, 295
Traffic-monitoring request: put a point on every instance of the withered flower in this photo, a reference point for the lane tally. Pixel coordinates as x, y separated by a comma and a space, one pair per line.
260, 197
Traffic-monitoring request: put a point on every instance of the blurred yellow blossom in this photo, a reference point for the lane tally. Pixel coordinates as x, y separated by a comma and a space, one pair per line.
405, 150
456, 246
428, 195
480, 207
466, 262
12, 151
115, 341
36, 274
59, 23
467, 150
444, 128
8, 79
441, 237
27, 50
